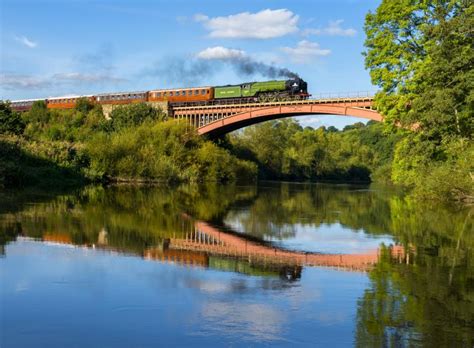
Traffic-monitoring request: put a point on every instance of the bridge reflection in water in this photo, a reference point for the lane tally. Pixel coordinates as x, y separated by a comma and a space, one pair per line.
207, 246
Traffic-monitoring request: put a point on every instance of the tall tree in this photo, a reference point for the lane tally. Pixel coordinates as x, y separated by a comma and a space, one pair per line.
421, 54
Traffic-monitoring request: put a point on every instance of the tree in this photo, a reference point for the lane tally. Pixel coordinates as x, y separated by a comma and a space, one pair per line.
421, 55
10, 121
134, 115
84, 105
38, 112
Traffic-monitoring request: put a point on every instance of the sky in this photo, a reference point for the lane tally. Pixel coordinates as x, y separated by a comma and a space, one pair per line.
83, 47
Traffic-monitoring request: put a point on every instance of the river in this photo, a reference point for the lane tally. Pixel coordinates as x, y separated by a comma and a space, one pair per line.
267, 264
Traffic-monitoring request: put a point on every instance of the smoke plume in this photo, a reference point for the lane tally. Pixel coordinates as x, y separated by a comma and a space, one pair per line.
249, 67
242, 63
208, 63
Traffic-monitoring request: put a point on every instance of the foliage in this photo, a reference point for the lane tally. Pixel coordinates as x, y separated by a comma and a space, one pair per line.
165, 151
25, 163
135, 144
284, 150
133, 115
10, 121
421, 55
84, 105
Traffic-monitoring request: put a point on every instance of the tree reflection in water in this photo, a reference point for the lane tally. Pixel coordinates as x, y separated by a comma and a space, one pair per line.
425, 294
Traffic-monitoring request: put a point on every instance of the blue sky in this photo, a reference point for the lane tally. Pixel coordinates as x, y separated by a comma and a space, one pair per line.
53, 48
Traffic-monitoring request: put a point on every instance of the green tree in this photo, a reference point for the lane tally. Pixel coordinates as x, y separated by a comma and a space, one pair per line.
134, 115
10, 121
84, 105
421, 55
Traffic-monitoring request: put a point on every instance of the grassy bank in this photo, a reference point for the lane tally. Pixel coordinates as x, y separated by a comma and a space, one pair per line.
45, 146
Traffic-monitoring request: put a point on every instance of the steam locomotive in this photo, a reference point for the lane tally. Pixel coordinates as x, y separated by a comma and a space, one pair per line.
252, 91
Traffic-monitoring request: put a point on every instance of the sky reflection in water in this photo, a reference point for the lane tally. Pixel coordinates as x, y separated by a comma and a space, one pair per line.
232, 265
77, 296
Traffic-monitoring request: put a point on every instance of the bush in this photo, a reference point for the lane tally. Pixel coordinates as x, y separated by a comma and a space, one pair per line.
164, 151
10, 121
134, 115
449, 180
84, 105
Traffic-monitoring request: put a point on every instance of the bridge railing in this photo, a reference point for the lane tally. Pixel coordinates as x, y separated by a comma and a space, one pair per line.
343, 95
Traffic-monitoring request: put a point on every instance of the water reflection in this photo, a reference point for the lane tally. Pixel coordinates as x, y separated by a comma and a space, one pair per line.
161, 224
419, 258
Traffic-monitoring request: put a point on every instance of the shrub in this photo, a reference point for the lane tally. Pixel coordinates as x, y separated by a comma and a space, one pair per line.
10, 121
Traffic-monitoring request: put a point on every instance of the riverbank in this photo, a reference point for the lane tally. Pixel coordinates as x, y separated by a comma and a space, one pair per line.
138, 145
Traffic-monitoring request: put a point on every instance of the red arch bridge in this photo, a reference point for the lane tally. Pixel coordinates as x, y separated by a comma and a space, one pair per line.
215, 120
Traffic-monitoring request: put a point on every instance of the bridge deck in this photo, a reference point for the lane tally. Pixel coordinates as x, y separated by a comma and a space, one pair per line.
336, 101
222, 118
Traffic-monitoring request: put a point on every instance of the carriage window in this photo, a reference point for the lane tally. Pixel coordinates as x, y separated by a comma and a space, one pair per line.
203, 91
196, 92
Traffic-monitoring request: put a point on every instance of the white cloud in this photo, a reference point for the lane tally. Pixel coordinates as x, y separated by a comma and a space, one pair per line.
305, 51
265, 24
25, 41
16, 81
221, 53
80, 77
311, 121
333, 29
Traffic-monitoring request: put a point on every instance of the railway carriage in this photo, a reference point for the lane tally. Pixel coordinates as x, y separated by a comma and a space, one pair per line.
23, 105
182, 95
122, 98
66, 102
252, 91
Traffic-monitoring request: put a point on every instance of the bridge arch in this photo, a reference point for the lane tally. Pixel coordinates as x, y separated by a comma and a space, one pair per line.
254, 116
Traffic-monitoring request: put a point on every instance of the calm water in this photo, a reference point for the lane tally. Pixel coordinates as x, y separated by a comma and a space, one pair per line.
262, 265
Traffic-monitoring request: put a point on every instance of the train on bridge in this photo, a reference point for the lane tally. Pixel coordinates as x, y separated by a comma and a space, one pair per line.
265, 91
